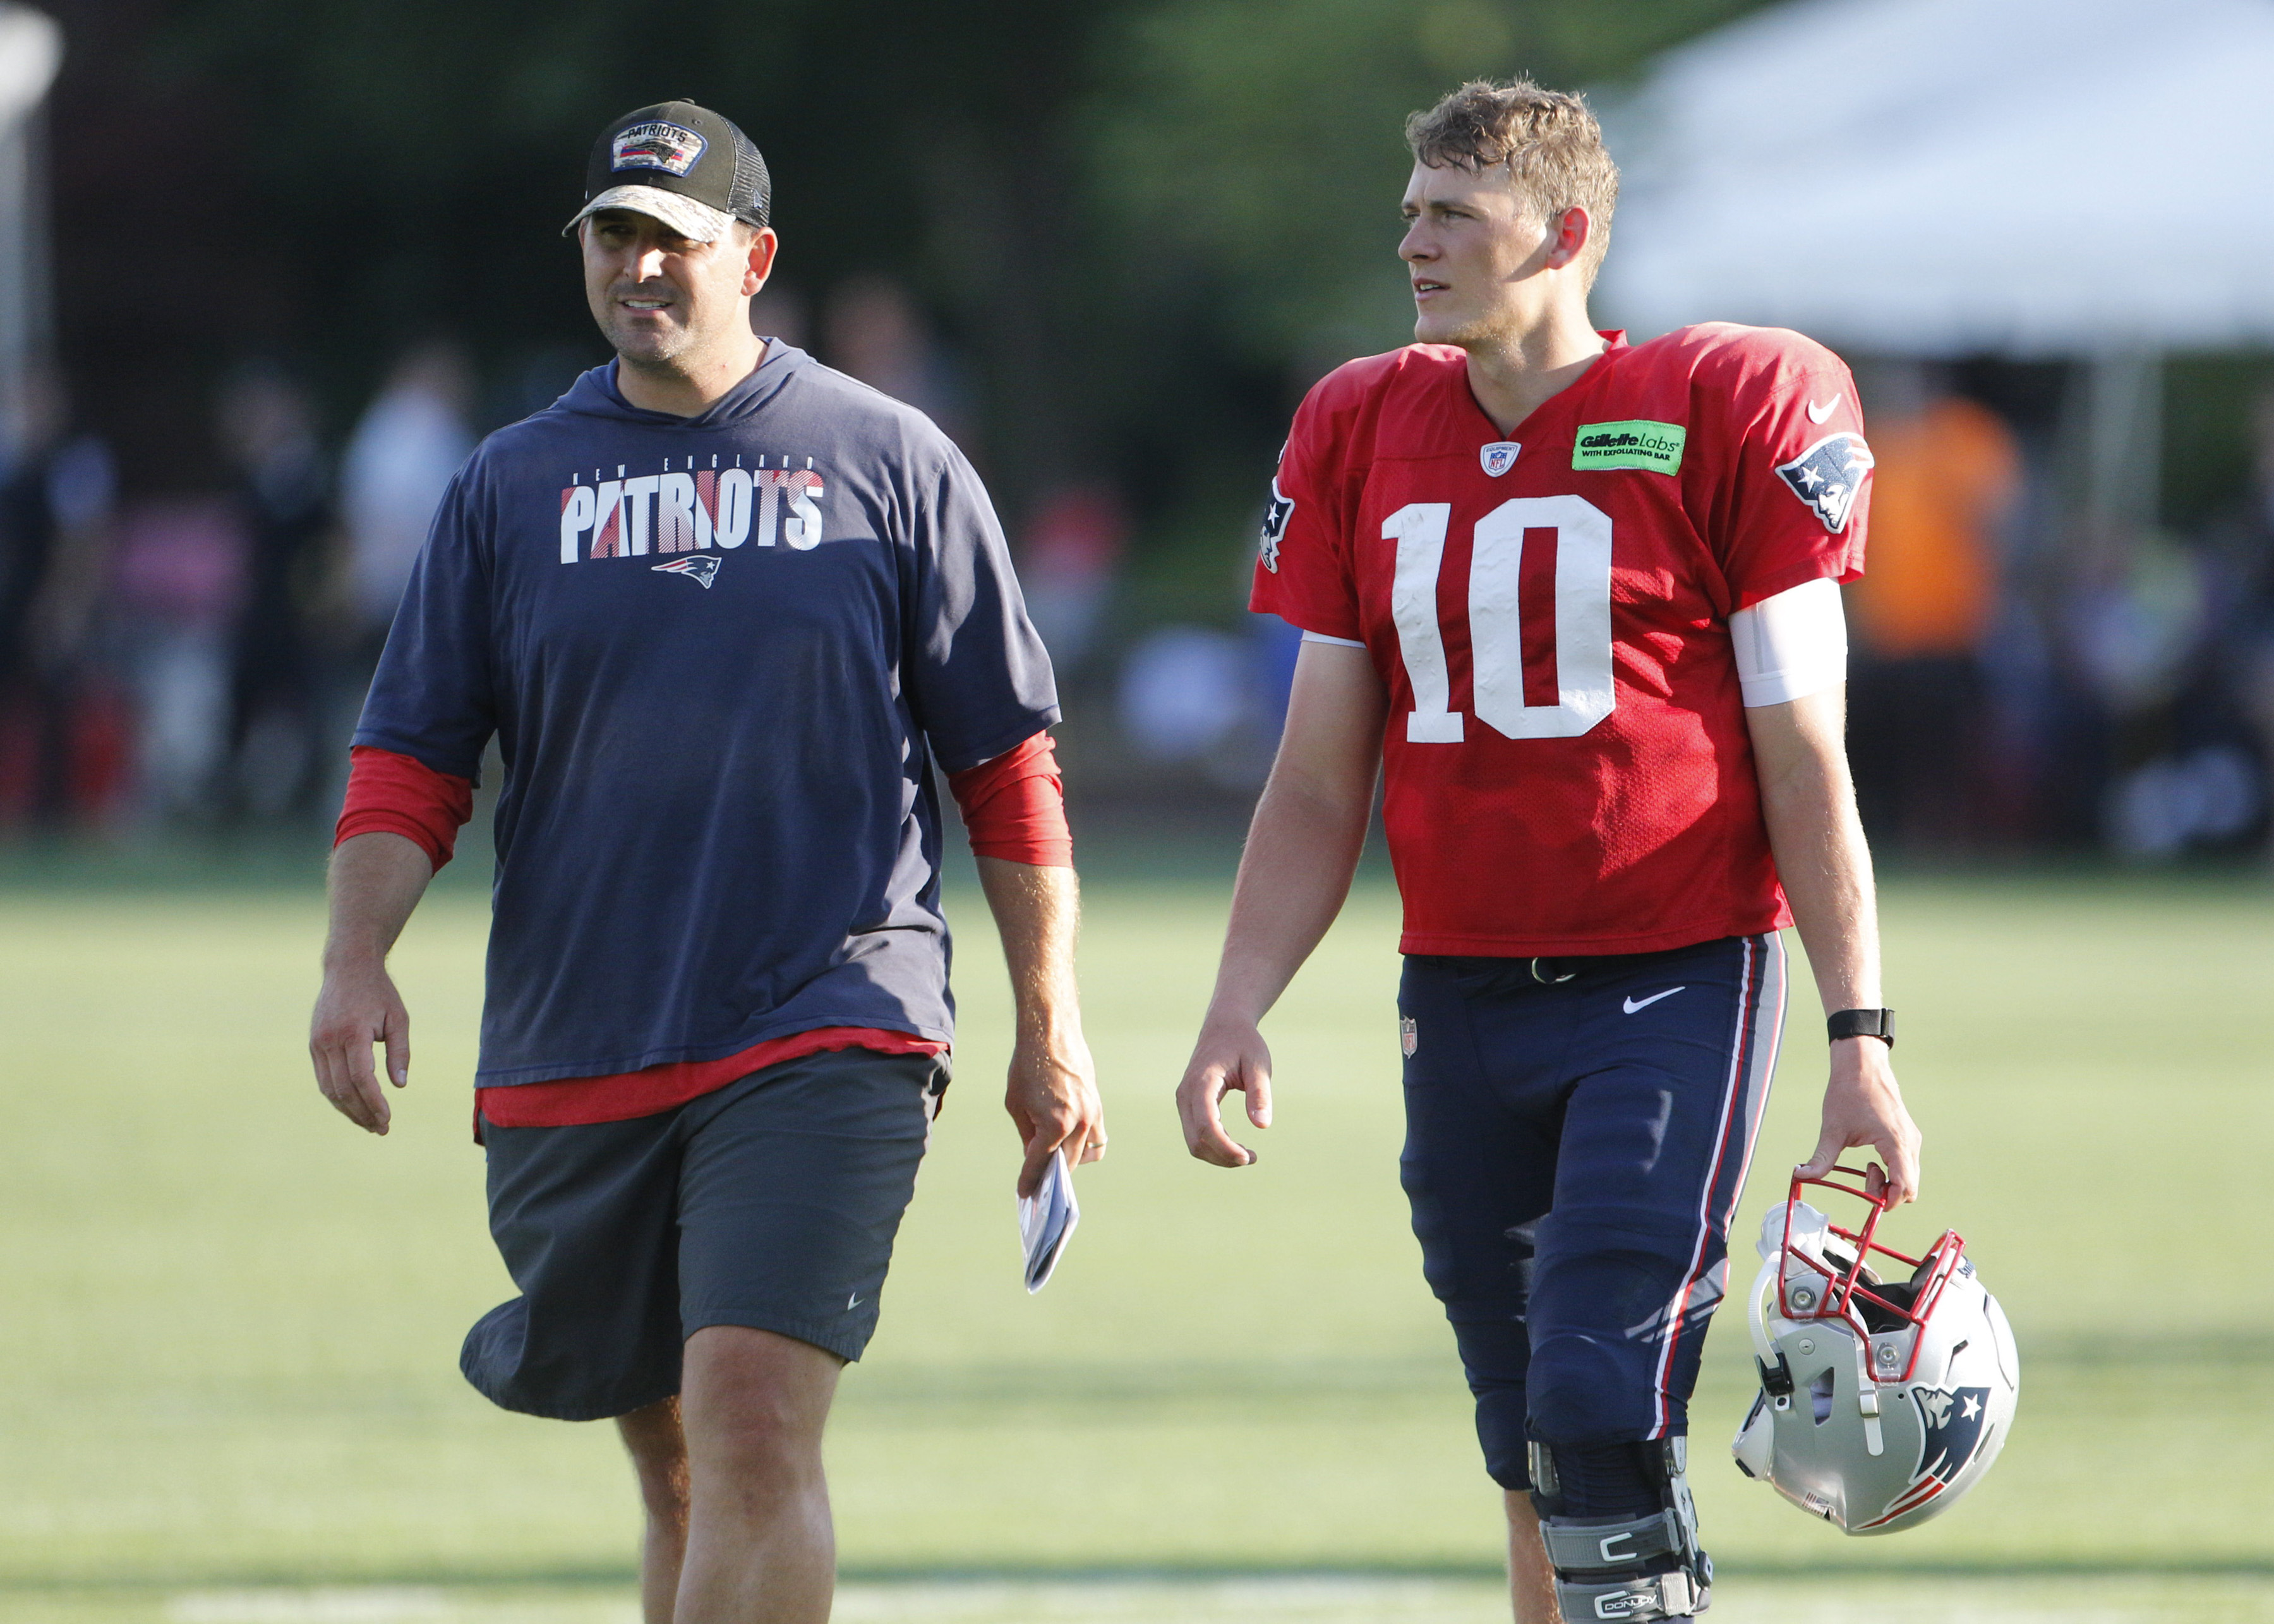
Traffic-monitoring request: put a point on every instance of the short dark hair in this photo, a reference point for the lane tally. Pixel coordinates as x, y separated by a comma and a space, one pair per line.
1548, 139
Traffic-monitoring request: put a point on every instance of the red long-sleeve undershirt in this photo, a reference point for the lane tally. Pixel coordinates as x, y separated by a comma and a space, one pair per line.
1013, 808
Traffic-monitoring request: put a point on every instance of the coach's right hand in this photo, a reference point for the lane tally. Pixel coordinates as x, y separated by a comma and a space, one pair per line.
376, 879
359, 1007
1228, 1056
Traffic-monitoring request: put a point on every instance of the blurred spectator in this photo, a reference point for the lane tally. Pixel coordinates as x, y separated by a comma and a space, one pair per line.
874, 332
1074, 550
1949, 472
410, 440
180, 583
1194, 696
2137, 616
2195, 679
2249, 645
268, 427
63, 729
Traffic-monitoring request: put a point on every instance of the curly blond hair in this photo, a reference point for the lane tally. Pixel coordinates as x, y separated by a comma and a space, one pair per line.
1548, 139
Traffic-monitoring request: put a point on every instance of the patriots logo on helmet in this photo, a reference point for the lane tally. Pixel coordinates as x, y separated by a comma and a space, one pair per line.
701, 569
1275, 527
1954, 1428
1952, 1424
1827, 476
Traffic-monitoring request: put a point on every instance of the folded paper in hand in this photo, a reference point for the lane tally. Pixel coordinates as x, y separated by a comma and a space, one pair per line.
1046, 1221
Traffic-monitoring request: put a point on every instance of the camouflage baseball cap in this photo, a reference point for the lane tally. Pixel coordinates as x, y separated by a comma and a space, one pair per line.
679, 164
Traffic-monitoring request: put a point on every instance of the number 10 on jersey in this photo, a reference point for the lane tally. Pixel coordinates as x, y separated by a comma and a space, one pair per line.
1539, 617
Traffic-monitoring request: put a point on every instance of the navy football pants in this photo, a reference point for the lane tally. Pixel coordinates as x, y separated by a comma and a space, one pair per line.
1575, 1148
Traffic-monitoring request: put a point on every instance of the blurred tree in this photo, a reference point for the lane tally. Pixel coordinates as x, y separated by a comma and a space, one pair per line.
1259, 144
421, 157
1244, 160
1146, 223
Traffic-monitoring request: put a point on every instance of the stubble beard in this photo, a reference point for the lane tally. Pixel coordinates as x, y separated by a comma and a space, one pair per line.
1490, 330
652, 348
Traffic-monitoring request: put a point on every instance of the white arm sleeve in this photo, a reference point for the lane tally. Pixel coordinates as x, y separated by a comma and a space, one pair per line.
1340, 643
1792, 645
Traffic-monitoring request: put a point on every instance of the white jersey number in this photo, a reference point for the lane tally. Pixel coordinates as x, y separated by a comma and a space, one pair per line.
1576, 571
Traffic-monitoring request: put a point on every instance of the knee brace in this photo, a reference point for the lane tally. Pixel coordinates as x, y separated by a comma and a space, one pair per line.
1626, 1568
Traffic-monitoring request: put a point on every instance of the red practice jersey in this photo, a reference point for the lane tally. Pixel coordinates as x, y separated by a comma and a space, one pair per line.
1567, 765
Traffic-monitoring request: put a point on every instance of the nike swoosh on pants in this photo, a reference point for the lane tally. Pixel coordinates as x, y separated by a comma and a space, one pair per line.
1643, 1003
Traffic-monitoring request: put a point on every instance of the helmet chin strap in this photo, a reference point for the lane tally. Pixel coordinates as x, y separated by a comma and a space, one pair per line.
1867, 1401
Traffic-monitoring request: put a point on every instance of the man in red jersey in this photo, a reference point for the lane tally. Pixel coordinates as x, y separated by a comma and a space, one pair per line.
1579, 600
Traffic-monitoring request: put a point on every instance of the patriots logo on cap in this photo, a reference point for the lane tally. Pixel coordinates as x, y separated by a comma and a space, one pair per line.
1499, 456
671, 148
1827, 476
701, 568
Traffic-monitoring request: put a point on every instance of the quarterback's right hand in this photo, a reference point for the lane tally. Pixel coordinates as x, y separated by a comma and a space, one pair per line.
1227, 1057
359, 1007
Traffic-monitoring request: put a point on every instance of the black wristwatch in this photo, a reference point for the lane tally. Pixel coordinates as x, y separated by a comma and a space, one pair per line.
1878, 1024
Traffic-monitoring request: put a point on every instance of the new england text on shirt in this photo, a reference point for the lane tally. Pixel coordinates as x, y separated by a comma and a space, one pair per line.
687, 508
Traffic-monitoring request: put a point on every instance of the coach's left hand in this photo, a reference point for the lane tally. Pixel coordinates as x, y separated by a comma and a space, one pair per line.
1053, 1093
1864, 1105
1052, 1098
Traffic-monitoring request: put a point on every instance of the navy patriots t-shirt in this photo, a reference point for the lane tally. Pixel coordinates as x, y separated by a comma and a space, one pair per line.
720, 655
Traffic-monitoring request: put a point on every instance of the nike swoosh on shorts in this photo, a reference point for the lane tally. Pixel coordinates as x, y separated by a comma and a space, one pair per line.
1643, 1003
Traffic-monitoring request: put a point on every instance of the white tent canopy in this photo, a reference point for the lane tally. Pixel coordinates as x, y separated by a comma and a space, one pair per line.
1945, 177
31, 49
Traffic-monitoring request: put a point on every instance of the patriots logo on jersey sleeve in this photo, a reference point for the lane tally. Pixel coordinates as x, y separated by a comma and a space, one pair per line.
1828, 475
1275, 527
701, 568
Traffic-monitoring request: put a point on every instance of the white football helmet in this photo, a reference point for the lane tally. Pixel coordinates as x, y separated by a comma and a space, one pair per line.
1882, 1401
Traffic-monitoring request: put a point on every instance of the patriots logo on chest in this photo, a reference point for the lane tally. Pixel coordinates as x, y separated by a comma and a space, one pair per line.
1829, 476
701, 568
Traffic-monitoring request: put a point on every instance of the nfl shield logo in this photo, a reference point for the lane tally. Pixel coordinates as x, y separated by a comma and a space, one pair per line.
1498, 458
1409, 1035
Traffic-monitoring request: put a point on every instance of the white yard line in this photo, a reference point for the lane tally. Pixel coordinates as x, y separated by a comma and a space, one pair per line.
1313, 1599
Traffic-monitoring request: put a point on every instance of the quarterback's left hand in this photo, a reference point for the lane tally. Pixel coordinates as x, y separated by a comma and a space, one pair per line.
1052, 1099
1864, 1105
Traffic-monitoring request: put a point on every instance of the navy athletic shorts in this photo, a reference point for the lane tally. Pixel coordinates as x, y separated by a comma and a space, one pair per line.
771, 1203
1578, 1132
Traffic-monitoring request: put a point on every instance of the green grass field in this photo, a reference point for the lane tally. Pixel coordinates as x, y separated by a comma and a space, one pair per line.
228, 1323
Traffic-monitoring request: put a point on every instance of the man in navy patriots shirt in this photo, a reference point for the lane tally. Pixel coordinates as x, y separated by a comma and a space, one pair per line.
723, 610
